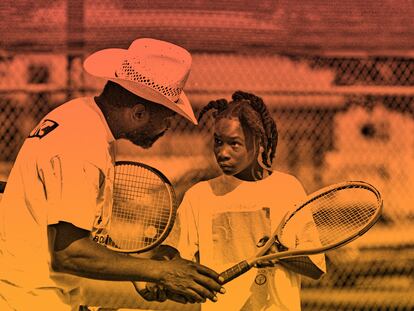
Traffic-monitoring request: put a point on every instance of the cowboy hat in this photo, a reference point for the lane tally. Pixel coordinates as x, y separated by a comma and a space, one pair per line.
152, 69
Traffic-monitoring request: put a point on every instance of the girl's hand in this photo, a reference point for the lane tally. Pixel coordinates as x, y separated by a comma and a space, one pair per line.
276, 247
154, 292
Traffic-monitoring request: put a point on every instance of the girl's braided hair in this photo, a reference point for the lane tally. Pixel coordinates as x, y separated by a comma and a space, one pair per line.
252, 114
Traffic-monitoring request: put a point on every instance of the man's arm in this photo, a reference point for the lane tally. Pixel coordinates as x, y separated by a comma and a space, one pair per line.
72, 251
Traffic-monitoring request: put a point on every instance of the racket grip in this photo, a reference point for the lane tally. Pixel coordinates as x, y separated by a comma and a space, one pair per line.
235, 271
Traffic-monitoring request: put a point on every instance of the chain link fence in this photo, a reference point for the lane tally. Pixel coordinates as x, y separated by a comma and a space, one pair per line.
339, 118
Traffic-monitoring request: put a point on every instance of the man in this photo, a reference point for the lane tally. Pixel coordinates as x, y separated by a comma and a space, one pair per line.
61, 184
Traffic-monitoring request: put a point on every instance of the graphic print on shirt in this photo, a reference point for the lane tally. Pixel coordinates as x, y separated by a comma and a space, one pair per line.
235, 234
43, 129
99, 232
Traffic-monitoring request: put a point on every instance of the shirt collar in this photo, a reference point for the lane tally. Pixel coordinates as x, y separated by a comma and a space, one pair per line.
109, 136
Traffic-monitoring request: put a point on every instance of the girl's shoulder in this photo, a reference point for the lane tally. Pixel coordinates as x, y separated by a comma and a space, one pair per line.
199, 188
285, 180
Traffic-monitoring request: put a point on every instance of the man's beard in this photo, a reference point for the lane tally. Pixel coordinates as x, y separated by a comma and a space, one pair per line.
142, 139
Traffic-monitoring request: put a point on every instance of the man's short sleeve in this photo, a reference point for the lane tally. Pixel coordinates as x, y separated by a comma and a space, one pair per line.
71, 188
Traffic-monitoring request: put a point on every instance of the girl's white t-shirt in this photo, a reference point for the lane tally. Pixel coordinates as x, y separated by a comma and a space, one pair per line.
223, 219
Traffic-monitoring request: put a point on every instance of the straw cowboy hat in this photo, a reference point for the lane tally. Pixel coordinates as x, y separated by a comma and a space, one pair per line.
152, 69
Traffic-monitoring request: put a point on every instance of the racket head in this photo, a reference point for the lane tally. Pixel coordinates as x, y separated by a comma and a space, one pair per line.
331, 217
143, 210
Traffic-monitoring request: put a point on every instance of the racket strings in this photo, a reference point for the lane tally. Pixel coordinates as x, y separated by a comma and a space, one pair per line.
143, 190
141, 208
330, 218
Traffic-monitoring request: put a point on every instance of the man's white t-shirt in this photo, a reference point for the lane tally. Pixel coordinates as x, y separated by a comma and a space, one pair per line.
63, 172
224, 219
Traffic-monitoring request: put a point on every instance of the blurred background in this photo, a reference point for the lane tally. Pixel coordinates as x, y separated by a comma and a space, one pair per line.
338, 76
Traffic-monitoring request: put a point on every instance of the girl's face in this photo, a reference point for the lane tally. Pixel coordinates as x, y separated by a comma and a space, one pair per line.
233, 150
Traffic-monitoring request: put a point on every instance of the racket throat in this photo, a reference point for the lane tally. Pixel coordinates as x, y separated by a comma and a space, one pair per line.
268, 244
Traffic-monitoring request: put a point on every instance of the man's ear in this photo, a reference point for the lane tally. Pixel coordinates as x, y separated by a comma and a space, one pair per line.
139, 112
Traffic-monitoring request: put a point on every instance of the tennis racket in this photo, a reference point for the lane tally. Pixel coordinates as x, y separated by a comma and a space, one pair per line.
143, 211
327, 219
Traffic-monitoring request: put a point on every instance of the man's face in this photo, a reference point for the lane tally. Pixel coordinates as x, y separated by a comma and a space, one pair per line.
152, 128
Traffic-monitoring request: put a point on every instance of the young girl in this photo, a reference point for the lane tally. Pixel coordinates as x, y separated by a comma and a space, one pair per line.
223, 219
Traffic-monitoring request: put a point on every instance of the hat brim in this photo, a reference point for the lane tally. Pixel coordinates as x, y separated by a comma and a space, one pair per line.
104, 63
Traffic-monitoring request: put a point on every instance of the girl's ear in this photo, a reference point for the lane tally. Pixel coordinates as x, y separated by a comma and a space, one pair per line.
259, 158
261, 149
257, 145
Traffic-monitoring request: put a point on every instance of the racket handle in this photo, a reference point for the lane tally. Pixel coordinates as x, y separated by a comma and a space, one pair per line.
235, 271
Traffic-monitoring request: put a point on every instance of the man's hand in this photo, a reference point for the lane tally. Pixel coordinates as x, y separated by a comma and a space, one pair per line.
189, 279
155, 292
182, 281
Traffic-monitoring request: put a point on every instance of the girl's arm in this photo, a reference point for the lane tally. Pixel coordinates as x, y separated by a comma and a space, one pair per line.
303, 265
311, 266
